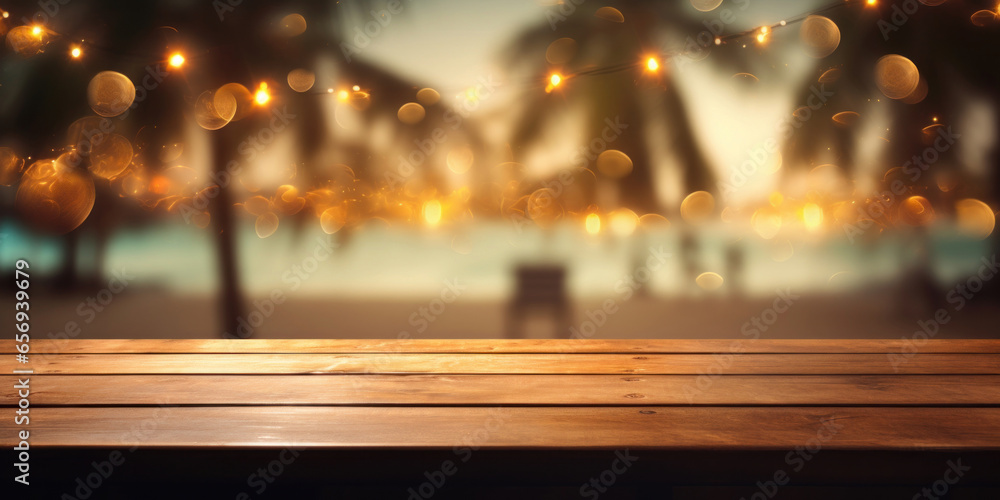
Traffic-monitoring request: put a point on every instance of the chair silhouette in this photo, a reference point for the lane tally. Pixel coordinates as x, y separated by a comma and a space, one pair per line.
539, 288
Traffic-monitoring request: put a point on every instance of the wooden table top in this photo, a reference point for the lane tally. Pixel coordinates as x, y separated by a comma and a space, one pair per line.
510, 394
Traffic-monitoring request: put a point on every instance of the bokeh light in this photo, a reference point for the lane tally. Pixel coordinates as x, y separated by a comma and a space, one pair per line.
432, 212
975, 218
812, 216
706, 5
26, 41
110, 156
610, 14
176, 60
214, 109
592, 223
266, 225
820, 36
262, 95
10, 167
427, 96
916, 211
110, 93
896, 76
614, 164
55, 197
411, 113
697, 207
301, 80
709, 281
292, 25
623, 222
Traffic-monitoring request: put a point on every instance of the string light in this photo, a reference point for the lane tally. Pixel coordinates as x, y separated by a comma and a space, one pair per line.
762, 36
176, 60
6, 14
811, 214
262, 95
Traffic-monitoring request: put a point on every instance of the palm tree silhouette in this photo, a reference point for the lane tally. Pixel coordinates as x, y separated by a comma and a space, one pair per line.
627, 95
951, 54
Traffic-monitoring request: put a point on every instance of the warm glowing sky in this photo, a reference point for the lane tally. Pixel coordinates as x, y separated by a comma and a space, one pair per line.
451, 44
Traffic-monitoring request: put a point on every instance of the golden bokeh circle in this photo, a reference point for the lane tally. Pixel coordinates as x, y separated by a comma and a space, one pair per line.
610, 14
110, 93
301, 80
55, 197
697, 207
614, 164
896, 76
110, 156
820, 36
411, 113
975, 218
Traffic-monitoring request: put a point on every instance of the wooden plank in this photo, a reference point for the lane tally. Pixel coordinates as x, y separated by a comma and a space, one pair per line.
653, 364
656, 427
651, 346
544, 390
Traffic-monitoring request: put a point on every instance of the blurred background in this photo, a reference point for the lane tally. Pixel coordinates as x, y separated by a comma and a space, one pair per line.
518, 169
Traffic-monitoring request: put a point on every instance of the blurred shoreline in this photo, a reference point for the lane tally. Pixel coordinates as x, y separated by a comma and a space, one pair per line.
154, 313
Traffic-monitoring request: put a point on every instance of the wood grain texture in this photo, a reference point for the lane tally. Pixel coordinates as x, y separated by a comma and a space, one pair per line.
652, 364
651, 346
540, 390
665, 394
710, 428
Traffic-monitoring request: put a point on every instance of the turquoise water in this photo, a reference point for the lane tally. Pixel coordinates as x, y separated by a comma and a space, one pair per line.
386, 262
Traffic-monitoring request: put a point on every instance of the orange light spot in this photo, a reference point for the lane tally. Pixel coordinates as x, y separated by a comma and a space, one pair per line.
176, 60
262, 96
